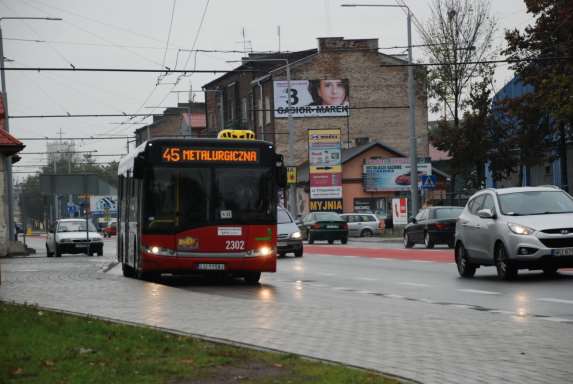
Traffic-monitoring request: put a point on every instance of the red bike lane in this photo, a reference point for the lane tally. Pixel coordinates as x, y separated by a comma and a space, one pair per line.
435, 255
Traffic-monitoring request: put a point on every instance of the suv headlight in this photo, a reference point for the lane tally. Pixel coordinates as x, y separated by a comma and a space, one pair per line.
519, 229
295, 235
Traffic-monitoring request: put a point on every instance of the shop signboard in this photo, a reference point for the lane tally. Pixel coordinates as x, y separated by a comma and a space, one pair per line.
392, 174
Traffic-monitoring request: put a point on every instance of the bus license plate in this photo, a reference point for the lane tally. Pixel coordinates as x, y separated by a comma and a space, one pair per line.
563, 252
211, 267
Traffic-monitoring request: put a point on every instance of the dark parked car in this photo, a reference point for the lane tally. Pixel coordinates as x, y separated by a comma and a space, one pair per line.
433, 225
324, 226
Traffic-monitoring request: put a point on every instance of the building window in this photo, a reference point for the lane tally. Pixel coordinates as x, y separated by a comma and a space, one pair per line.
244, 110
267, 109
260, 114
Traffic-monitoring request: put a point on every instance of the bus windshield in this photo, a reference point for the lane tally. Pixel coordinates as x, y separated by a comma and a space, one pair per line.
178, 199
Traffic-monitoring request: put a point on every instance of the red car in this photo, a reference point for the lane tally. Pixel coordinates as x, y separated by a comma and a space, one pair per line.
405, 178
110, 230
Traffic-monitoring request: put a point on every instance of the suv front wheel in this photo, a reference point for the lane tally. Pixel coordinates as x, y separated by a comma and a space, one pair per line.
465, 268
505, 270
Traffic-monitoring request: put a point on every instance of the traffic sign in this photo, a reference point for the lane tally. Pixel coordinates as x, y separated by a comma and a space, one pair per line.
428, 181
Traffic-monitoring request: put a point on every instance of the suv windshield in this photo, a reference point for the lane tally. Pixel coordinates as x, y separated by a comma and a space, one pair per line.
183, 198
535, 203
75, 226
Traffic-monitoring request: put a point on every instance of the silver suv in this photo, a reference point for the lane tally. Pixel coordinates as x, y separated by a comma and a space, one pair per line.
515, 228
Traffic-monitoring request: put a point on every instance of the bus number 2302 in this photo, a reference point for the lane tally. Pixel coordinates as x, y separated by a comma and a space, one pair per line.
235, 245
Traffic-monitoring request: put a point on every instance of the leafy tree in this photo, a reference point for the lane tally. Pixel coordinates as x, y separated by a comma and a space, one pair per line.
543, 59
470, 143
458, 34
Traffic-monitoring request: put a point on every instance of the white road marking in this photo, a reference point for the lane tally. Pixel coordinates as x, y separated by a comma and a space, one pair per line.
479, 291
557, 319
552, 300
367, 278
413, 284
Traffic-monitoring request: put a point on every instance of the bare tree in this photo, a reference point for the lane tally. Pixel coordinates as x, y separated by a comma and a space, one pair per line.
458, 36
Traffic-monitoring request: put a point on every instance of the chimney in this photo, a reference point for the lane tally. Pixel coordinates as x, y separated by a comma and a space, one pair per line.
326, 44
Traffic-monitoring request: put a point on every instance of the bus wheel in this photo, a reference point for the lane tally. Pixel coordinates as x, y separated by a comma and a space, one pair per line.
127, 270
147, 276
252, 277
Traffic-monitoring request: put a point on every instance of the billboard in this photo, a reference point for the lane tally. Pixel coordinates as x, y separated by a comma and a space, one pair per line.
103, 205
325, 170
392, 174
312, 98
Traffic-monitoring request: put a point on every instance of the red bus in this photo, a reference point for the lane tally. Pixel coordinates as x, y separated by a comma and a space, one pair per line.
199, 205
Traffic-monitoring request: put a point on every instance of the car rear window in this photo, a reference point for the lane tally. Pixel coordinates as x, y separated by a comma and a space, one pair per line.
447, 213
330, 216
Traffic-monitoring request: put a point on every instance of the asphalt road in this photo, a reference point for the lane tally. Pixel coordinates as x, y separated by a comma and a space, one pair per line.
369, 304
389, 270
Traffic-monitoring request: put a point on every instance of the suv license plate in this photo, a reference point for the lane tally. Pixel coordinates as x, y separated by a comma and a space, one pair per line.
563, 252
211, 267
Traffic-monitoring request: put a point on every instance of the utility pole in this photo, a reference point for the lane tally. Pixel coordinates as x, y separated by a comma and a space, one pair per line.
8, 165
411, 105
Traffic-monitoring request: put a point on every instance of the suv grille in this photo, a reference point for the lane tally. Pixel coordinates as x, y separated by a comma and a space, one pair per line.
558, 243
558, 230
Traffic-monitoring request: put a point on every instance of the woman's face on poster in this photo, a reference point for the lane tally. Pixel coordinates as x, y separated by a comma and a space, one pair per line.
332, 92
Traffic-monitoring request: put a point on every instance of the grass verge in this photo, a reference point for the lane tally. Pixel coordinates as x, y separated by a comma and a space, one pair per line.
39, 346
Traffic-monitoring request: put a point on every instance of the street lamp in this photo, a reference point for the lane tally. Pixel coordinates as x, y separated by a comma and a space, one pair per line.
411, 102
8, 163
290, 155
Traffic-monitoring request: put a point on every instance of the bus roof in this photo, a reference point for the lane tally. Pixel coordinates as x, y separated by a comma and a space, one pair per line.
127, 162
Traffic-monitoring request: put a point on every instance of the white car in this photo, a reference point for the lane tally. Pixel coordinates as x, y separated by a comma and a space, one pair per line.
70, 236
289, 236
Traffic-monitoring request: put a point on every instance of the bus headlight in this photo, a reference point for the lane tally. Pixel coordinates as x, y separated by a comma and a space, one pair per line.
159, 251
296, 235
264, 251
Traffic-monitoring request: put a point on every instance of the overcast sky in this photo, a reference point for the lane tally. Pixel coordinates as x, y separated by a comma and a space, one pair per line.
136, 33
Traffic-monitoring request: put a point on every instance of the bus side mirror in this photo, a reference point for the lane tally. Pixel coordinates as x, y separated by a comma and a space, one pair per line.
138, 167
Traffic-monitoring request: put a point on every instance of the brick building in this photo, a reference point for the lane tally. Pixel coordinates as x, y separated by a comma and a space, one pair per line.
9, 147
374, 107
187, 119
378, 96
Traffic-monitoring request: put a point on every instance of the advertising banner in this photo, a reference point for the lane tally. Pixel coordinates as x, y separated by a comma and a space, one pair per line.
400, 211
325, 169
312, 98
392, 174
103, 205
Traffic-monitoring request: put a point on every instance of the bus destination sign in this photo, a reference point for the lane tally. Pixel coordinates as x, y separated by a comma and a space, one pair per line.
208, 155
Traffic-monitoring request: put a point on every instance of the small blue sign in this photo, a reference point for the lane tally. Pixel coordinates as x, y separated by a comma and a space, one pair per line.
428, 181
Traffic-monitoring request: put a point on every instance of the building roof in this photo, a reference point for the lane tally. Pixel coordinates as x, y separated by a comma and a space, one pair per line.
9, 145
